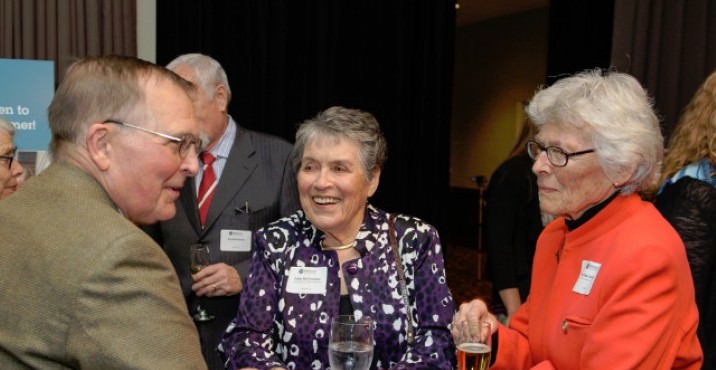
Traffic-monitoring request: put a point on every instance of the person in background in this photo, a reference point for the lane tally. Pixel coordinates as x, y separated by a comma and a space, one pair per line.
611, 284
252, 183
512, 223
687, 199
11, 171
339, 155
83, 287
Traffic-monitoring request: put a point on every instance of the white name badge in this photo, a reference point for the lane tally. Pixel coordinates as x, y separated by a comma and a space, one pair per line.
587, 276
235, 241
307, 280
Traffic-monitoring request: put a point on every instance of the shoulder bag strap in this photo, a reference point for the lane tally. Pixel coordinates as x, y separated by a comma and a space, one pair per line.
401, 276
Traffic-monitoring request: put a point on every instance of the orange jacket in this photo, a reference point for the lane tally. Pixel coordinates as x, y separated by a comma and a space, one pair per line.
638, 312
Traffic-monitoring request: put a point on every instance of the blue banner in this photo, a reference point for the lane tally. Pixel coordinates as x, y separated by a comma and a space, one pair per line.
25, 93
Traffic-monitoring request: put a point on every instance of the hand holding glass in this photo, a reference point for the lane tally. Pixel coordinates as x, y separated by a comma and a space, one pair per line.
474, 346
350, 345
200, 259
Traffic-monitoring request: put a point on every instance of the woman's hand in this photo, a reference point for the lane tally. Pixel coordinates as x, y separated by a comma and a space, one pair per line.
471, 313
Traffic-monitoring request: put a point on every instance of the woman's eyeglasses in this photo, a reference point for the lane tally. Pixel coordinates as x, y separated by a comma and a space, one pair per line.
557, 156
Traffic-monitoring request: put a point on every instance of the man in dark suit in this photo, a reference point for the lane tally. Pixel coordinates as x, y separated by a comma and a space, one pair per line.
254, 185
82, 286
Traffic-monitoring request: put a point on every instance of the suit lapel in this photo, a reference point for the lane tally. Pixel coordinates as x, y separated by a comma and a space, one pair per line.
187, 197
239, 167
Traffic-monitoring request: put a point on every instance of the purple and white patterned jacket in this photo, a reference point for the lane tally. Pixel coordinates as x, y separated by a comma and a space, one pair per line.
277, 328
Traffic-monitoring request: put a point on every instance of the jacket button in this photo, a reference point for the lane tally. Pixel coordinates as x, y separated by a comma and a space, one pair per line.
352, 268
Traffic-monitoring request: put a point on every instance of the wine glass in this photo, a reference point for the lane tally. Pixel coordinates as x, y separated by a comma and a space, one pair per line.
199, 254
350, 346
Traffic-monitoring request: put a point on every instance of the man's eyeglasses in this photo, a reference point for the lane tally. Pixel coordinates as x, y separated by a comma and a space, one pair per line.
183, 143
8, 158
555, 155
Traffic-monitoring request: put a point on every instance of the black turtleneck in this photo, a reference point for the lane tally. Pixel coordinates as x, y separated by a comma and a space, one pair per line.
588, 214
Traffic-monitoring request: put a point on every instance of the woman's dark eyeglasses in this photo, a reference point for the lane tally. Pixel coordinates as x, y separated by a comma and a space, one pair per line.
183, 143
9, 157
555, 155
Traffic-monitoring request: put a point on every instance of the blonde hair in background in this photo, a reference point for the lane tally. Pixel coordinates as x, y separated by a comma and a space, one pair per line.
694, 136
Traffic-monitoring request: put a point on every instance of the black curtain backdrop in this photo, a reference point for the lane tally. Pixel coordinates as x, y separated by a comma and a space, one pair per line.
580, 37
666, 44
287, 60
669, 46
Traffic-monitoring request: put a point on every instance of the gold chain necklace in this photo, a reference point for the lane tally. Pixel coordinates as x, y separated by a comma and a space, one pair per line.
337, 248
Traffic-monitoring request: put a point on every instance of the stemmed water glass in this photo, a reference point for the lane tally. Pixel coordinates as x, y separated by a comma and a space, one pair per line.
350, 344
199, 254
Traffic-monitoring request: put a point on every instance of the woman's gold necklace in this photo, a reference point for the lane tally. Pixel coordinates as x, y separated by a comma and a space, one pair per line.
337, 248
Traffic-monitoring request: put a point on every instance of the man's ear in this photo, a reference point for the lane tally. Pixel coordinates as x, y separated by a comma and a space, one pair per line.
98, 145
221, 97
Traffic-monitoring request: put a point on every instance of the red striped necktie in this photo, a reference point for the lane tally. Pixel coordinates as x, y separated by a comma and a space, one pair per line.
207, 186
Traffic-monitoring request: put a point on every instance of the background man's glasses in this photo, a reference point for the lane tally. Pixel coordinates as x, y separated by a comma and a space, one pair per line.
555, 155
8, 158
183, 143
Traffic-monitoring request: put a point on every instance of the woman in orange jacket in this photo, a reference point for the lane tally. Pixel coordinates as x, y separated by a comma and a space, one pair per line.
611, 285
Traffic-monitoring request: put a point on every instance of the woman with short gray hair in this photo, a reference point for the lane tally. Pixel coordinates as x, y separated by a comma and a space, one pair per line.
611, 284
370, 264
616, 114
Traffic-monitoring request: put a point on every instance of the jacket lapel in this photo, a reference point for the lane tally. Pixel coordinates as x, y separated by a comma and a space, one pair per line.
239, 167
187, 197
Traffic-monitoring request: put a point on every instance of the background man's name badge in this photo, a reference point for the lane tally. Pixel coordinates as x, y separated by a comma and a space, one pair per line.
235, 240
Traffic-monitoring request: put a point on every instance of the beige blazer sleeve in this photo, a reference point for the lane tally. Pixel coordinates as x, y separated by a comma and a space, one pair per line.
130, 313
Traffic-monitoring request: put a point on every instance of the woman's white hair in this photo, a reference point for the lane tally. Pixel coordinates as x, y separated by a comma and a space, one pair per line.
6, 126
616, 114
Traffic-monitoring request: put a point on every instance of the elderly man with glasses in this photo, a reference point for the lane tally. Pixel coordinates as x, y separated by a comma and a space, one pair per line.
83, 286
245, 181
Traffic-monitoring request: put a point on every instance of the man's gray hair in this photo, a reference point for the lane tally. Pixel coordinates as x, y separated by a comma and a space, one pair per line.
208, 71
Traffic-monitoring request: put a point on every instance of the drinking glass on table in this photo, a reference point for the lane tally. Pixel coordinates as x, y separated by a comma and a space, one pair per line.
474, 347
199, 259
350, 345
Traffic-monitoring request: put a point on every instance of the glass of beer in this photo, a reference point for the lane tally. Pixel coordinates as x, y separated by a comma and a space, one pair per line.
474, 346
